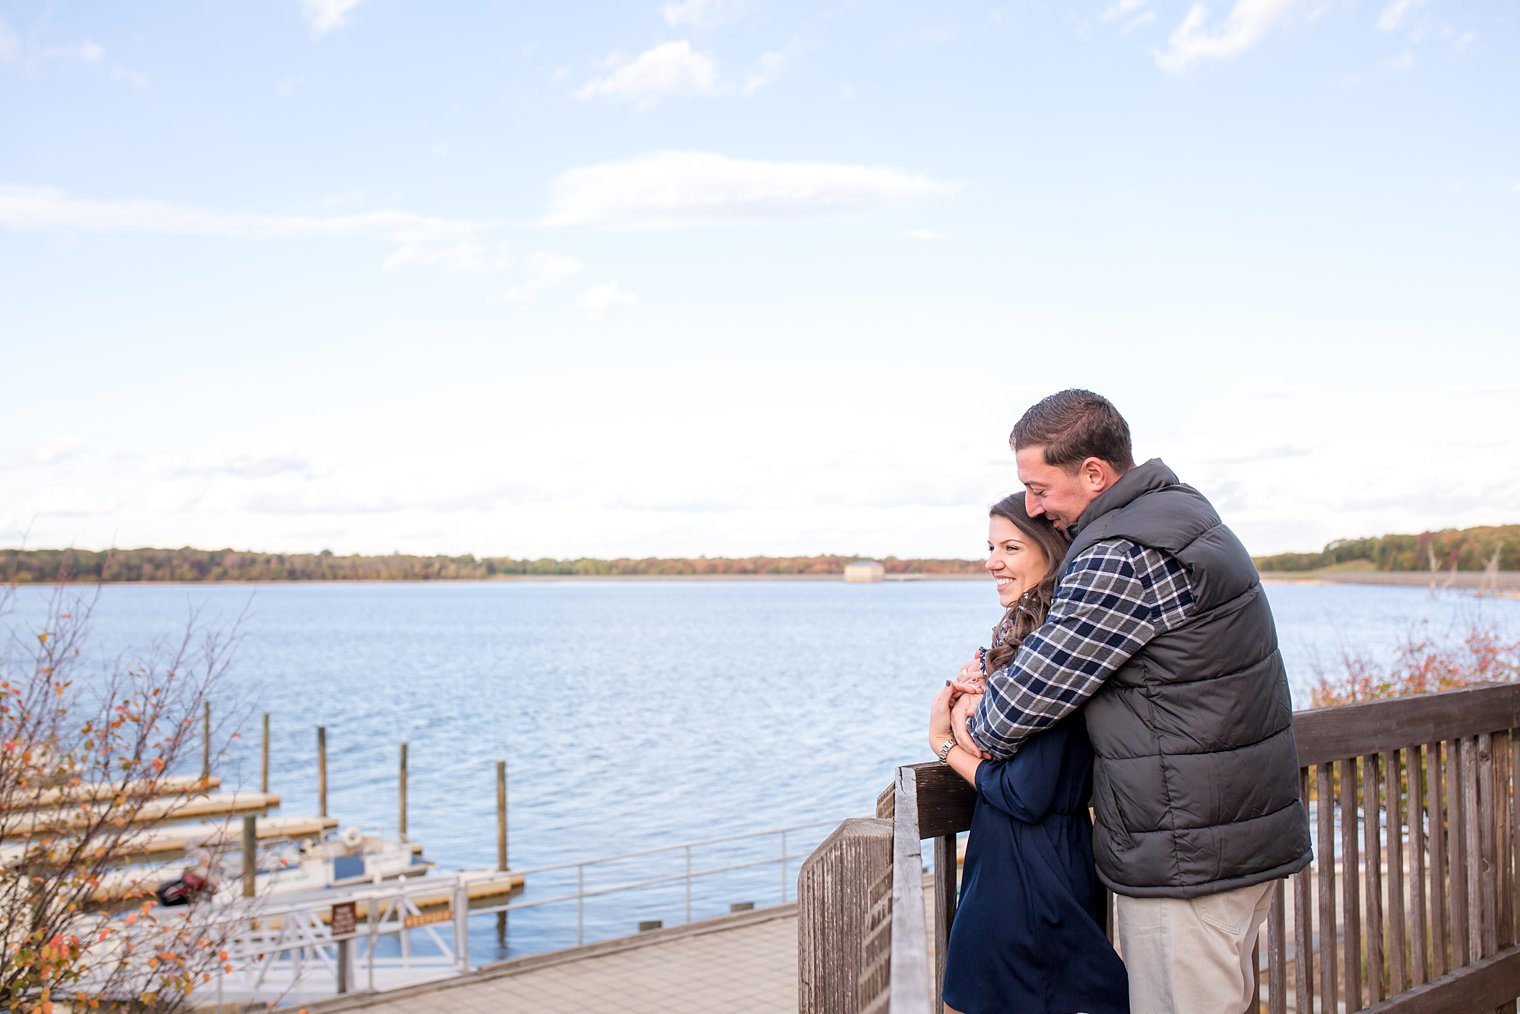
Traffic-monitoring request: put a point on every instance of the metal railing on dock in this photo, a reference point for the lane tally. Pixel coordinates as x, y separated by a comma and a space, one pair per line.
1410, 905
403, 935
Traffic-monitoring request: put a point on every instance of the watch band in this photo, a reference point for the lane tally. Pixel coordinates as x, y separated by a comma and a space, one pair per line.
944, 750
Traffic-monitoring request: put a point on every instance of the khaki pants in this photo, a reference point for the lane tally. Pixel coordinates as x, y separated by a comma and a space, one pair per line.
1191, 955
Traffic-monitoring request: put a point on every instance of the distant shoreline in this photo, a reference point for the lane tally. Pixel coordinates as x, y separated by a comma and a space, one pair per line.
1506, 581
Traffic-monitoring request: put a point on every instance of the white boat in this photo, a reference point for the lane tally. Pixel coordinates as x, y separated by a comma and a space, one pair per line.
309, 864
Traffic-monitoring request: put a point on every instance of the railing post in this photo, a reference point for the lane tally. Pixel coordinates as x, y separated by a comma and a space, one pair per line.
264, 757
322, 770
783, 866
833, 902
401, 800
250, 856
462, 924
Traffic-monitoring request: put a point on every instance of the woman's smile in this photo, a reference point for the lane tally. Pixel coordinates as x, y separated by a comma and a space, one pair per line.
1015, 563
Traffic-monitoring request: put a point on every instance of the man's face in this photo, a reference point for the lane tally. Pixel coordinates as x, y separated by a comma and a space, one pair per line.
1060, 495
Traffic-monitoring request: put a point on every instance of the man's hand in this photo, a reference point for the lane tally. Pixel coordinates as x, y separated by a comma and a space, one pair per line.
964, 707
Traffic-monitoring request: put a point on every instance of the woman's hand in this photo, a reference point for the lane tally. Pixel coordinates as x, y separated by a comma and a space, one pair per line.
939, 717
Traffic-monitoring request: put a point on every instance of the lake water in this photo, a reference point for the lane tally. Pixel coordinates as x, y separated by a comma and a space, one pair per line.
630, 714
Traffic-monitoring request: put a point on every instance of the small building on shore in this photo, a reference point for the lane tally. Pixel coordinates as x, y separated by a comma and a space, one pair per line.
864, 571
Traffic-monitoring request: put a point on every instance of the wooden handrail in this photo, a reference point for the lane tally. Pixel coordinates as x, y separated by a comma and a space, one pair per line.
1410, 905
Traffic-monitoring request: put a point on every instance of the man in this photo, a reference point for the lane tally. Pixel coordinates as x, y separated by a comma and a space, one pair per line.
1160, 631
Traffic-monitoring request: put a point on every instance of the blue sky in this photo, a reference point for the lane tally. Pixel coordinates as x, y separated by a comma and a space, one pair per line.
728, 277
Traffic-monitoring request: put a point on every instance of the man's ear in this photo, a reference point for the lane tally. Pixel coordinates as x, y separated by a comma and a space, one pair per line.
1097, 474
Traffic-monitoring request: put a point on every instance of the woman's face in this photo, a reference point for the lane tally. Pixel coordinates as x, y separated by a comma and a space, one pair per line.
1015, 561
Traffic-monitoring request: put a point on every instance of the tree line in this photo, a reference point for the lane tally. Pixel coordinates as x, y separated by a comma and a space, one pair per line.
40, 566
1462, 549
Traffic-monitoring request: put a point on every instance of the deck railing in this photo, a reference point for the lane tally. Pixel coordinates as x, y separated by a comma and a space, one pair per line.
1409, 907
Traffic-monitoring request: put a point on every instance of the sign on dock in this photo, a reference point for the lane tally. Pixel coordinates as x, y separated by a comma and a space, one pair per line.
343, 920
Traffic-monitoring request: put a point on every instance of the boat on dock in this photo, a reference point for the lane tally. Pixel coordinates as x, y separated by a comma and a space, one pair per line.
290, 866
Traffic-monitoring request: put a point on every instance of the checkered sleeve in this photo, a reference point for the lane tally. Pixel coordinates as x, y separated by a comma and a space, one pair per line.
1114, 598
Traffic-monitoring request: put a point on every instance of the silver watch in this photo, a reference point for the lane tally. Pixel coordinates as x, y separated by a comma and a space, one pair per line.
944, 750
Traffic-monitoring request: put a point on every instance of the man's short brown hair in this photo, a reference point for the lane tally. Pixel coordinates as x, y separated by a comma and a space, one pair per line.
1073, 426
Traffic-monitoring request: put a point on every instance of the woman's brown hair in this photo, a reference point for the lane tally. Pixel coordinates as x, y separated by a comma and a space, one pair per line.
1029, 611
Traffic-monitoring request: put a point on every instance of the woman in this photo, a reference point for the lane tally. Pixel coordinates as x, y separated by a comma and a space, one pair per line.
1027, 935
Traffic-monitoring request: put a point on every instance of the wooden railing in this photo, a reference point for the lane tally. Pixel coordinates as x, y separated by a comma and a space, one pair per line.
1409, 907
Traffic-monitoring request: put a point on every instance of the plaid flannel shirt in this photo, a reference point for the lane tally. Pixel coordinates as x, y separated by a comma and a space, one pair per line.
1114, 598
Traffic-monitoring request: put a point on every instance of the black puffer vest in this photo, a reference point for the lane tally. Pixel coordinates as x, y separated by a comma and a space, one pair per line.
1195, 778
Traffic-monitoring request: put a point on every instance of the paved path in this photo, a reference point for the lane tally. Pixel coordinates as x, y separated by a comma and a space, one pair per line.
741, 963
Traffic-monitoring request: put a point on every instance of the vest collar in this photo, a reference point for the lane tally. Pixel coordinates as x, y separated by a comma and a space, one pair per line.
1141, 479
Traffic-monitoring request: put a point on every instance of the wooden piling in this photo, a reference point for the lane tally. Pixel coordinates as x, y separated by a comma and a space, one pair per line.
206, 740
501, 815
501, 843
264, 757
250, 854
402, 801
322, 770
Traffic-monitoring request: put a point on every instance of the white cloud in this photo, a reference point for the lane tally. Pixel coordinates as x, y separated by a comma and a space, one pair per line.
10, 46
326, 15
1394, 13
701, 14
60, 449
1246, 24
600, 300
766, 70
545, 270
49, 208
242, 466
925, 234
457, 258
681, 188
1403, 62
85, 52
671, 68
1121, 9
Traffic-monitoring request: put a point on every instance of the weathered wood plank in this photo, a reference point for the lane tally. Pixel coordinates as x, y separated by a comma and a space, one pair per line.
1512, 866
1351, 884
1393, 801
1488, 845
833, 913
1456, 856
1277, 951
1472, 840
1303, 942
945, 884
945, 800
912, 990
1329, 985
1414, 767
1439, 840
1372, 876
1351, 730
1483, 985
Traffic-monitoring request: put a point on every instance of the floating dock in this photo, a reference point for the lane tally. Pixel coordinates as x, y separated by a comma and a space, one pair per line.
66, 818
94, 792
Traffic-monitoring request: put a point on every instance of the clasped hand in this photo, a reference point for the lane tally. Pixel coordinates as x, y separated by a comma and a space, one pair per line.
953, 706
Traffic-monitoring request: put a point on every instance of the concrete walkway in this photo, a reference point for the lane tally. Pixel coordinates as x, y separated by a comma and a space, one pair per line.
738, 963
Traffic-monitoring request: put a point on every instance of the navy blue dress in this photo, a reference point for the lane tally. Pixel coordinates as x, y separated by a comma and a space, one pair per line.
1027, 936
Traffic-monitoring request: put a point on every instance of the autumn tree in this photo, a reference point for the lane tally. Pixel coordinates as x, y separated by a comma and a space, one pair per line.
83, 756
